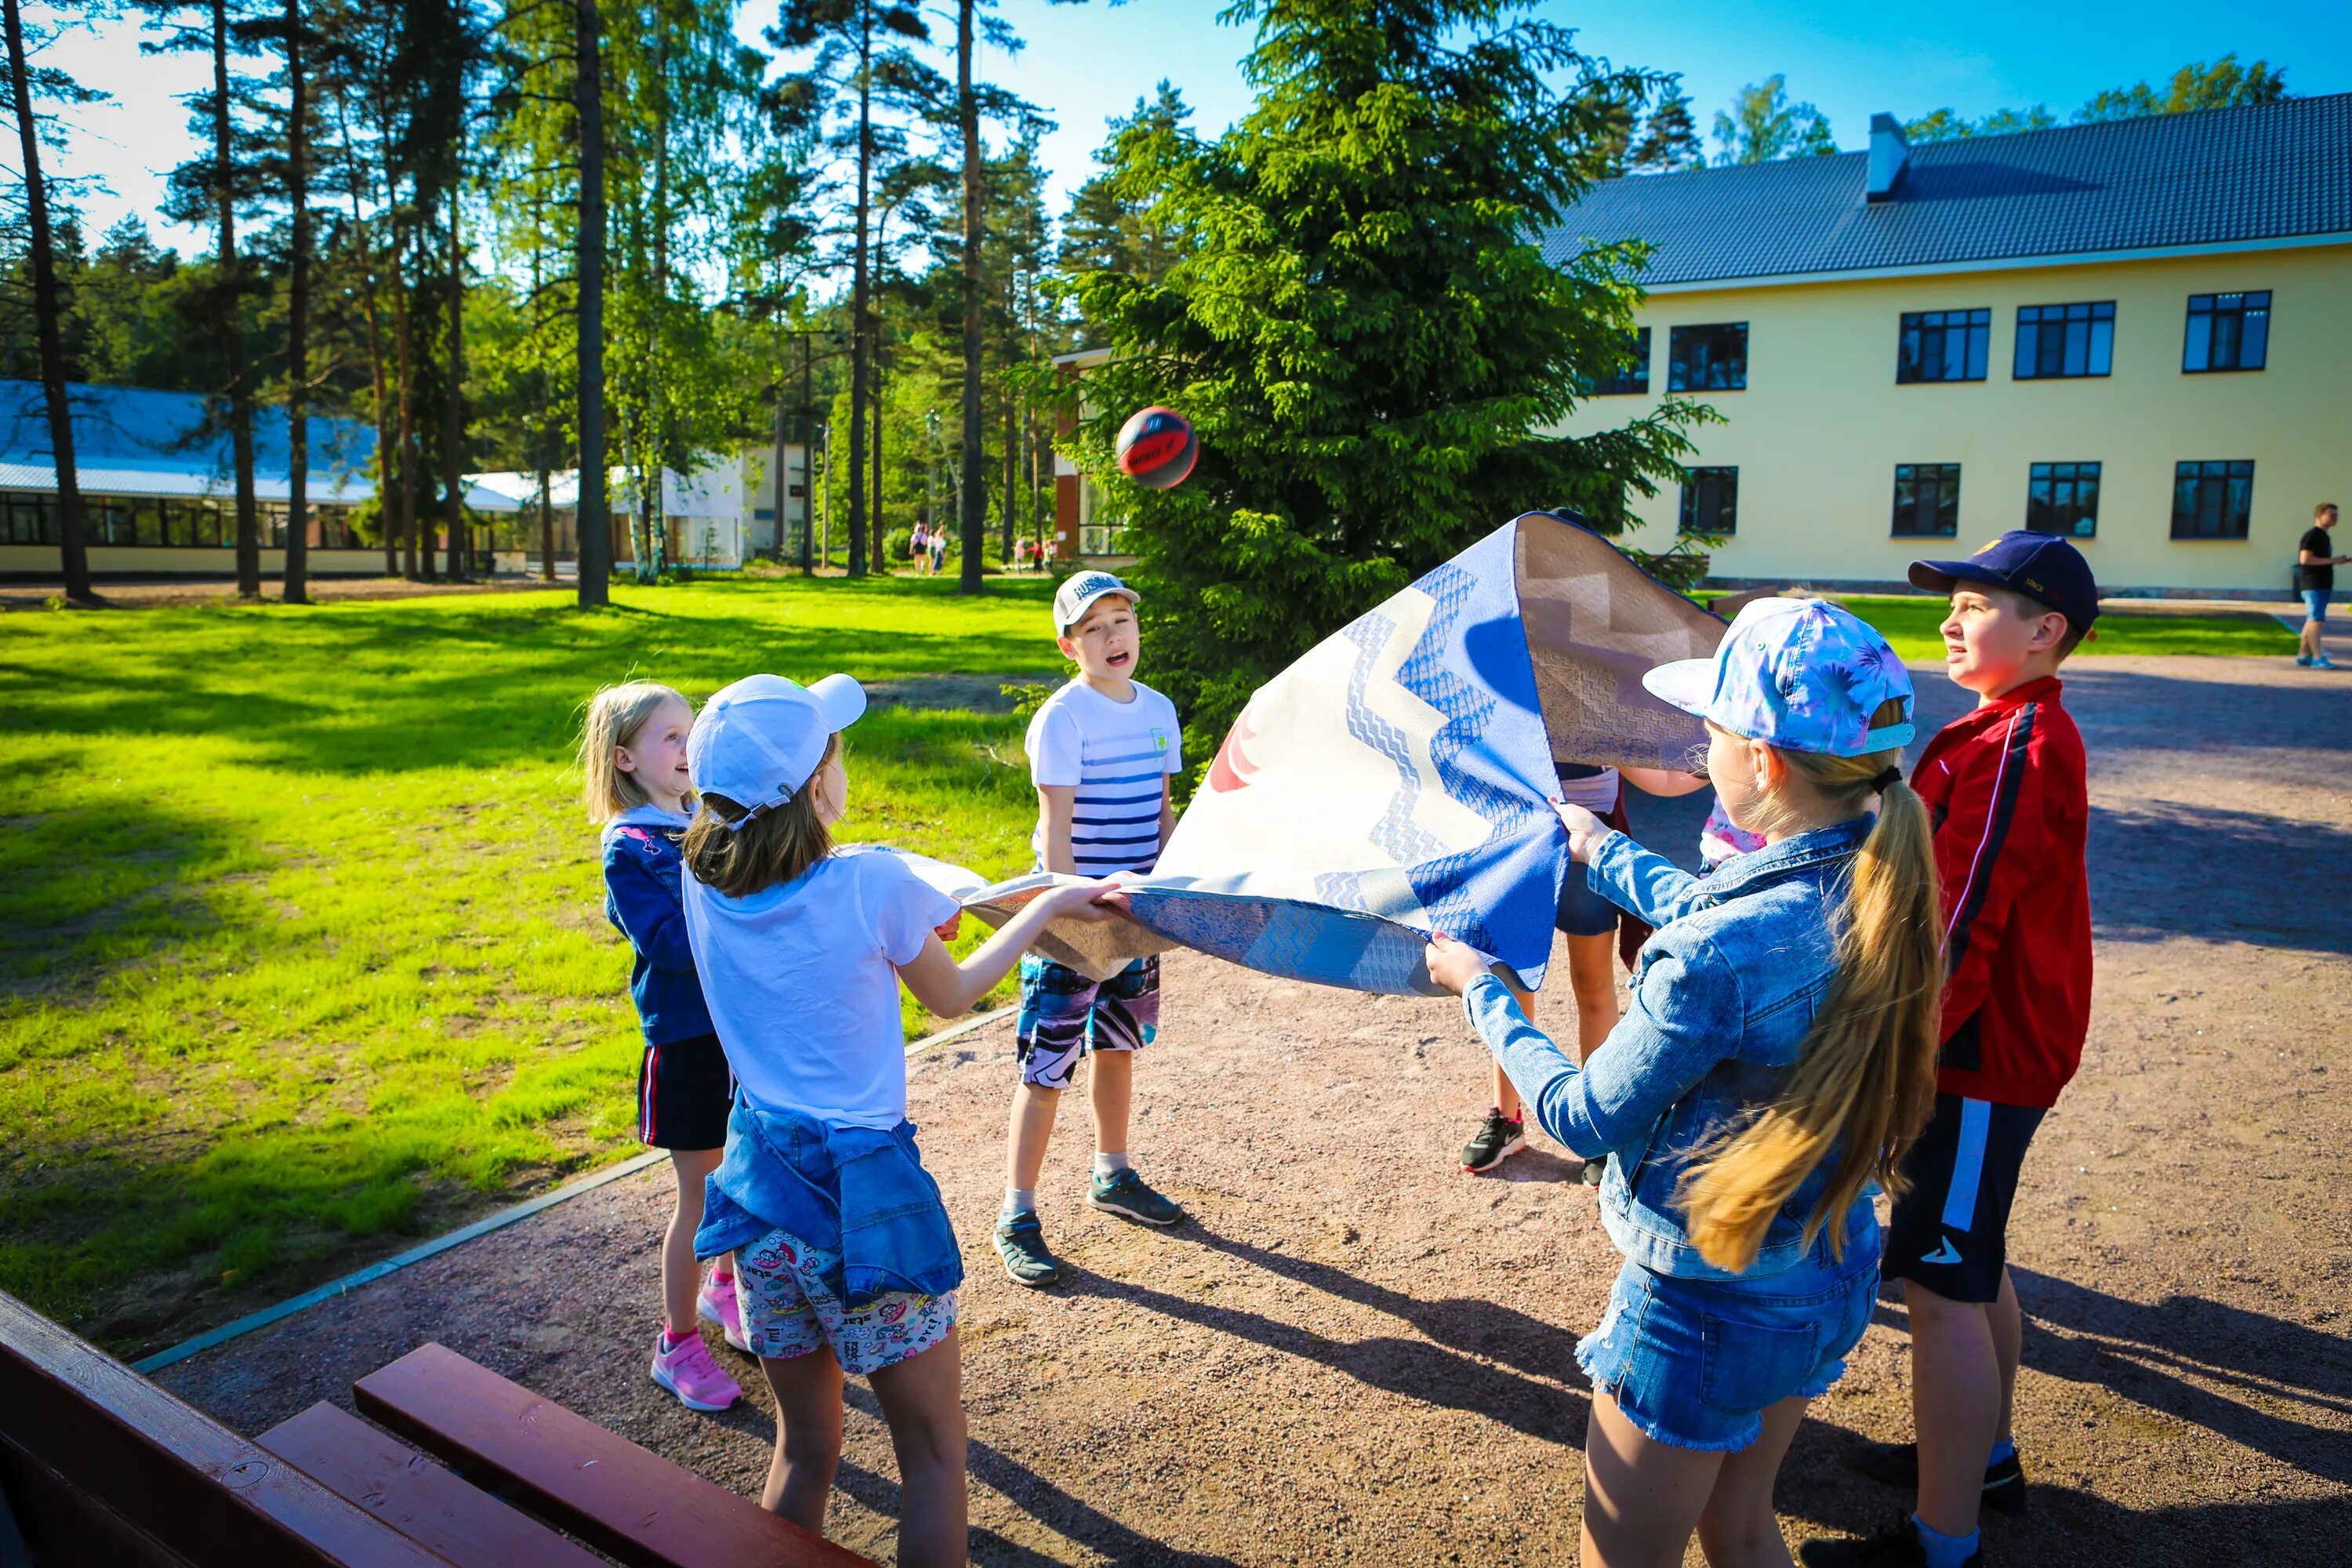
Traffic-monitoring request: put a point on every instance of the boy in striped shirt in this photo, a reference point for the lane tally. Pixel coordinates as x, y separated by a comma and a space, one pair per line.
1100, 751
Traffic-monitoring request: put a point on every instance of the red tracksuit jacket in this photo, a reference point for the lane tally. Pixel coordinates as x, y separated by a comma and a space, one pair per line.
2007, 797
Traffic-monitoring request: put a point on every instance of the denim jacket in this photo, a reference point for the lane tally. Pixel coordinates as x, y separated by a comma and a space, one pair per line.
857, 1193
1723, 995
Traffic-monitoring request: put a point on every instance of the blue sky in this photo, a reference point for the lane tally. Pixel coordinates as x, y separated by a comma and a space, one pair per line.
1086, 62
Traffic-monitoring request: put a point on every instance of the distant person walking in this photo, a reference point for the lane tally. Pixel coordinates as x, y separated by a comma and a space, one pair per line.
2315, 575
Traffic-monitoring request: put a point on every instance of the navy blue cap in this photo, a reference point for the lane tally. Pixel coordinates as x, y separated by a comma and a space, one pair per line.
2040, 566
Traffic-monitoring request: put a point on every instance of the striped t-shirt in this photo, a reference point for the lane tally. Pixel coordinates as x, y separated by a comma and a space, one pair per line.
1119, 755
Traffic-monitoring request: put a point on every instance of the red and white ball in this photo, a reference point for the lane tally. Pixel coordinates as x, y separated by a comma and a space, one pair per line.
1157, 447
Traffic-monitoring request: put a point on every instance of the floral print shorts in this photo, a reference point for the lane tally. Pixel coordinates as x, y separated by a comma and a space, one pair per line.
788, 1311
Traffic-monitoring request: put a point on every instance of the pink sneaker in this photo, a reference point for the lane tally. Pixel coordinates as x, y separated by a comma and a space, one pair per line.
687, 1369
717, 1304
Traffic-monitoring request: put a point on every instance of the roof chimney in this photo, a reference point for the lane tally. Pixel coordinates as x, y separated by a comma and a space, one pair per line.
1889, 154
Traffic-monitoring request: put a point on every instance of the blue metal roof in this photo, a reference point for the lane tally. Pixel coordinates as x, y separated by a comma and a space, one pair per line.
131, 440
2218, 176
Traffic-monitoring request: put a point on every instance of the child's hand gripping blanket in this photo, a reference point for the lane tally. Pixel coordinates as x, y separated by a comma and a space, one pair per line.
1397, 780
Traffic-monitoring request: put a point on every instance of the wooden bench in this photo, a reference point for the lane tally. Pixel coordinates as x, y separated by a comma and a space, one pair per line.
417, 1497
98, 1465
635, 1506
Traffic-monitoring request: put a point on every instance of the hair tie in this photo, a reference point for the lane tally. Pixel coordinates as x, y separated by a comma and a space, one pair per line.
1885, 776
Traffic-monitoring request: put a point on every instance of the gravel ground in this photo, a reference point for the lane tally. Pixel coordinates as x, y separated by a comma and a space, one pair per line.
1356, 1353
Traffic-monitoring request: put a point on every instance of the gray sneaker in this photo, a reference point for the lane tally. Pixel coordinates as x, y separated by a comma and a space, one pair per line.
1124, 1194
1021, 1244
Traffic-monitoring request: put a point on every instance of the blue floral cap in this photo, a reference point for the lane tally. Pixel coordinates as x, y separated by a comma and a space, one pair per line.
1804, 674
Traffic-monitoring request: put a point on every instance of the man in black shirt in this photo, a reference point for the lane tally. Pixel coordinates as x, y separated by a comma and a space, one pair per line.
2315, 575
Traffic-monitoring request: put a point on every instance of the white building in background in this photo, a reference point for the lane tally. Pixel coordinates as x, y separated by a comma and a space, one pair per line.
715, 518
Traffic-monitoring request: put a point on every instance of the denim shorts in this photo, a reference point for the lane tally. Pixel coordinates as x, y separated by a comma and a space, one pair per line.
2314, 603
1695, 1362
1582, 912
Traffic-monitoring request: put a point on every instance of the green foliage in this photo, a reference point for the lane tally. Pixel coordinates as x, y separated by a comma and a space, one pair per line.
2223, 84
1669, 140
1763, 125
305, 947
1366, 336
898, 544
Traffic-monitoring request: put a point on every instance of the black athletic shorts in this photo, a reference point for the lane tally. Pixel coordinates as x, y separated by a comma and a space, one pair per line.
1950, 1230
685, 1090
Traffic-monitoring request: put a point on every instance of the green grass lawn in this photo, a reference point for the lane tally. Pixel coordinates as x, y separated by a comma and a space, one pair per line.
1909, 623
305, 949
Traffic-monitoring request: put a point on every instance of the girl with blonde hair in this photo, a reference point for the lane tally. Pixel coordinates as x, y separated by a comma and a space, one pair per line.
634, 786
1777, 1061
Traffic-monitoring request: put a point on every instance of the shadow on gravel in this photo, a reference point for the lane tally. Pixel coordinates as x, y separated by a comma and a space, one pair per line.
1037, 1497
2258, 884
2148, 1354
1416, 1369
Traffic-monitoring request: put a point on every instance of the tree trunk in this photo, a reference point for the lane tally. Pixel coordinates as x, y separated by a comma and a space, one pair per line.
403, 342
231, 321
375, 350
73, 556
881, 405
861, 341
297, 316
975, 494
453, 409
539, 440
595, 529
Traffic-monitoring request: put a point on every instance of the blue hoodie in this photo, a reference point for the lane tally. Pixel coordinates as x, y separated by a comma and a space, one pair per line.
642, 900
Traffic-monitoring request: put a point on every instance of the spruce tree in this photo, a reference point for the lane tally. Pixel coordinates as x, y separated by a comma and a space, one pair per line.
1669, 140
1365, 330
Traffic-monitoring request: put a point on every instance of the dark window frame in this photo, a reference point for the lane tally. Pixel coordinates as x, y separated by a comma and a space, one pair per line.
2248, 321
1946, 504
1924, 343
2056, 342
1631, 379
1722, 507
1682, 344
2216, 490
2066, 494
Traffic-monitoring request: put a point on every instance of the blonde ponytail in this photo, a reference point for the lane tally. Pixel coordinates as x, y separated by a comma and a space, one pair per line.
1865, 1081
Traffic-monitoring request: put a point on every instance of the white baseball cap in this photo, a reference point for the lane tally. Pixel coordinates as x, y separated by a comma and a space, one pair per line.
1074, 597
760, 741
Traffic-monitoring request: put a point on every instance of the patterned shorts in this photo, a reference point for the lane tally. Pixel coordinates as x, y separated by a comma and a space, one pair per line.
1064, 1016
788, 1311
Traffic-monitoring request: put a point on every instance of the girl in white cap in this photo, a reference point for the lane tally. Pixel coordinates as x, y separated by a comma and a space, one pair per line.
844, 1259
1778, 1058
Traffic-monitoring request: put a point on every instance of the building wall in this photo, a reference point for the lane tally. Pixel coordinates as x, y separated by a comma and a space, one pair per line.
1818, 431
40, 561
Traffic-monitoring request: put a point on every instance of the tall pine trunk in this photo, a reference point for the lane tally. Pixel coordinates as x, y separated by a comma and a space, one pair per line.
881, 405
374, 311
539, 441
588, 91
297, 316
975, 460
404, 343
453, 409
48, 308
861, 341
1012, 474
231, 319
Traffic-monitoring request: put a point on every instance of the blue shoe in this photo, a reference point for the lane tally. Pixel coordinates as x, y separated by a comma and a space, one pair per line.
2303, 659
1021, 1246
1124, 1194
2321, 661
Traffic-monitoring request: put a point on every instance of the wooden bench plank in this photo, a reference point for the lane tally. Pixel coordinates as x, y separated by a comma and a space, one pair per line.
165, 1469
634, 1505
417, 1497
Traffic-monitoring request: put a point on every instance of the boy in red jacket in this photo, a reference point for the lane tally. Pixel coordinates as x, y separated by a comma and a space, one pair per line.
2005, 790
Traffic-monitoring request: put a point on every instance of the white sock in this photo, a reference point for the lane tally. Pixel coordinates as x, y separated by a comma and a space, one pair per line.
1019, 1198
1109, 1164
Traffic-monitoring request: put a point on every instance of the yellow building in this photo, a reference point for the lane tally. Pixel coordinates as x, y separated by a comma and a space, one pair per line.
2136, 335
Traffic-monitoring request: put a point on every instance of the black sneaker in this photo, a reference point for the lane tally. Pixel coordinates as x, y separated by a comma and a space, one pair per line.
1021, 1244
1498, 1140
1896, 1546
1897, 1464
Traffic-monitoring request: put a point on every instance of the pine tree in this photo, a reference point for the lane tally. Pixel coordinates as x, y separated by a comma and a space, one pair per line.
1361, 415
1669, 140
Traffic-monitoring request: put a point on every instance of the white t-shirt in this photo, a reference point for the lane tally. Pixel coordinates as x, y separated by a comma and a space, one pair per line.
803, 985
1119, 755
1596, 794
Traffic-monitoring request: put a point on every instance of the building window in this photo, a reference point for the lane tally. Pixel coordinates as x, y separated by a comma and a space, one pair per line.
2211, 500
1926, 500
1711, 501
2227, 331
25, 520
2065, 340
1631, 376
2063, 498
1707, 359
1944, 345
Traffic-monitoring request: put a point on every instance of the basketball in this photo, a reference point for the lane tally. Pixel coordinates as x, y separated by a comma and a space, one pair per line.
1157, 447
